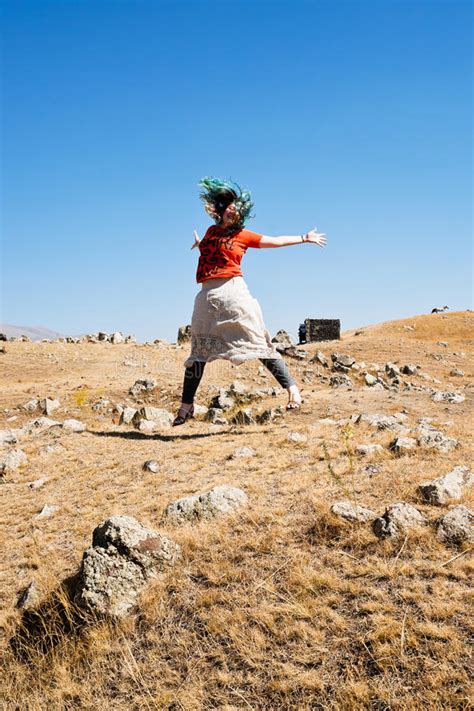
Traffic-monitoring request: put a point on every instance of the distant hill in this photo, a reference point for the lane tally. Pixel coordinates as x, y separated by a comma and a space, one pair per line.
35, 333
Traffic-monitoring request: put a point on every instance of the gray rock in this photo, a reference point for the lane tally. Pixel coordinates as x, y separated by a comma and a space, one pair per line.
366, 450
8, 437
352, 512
401, 445
244, 416
269, 415
216, 416
31, 405
73, 426
127, 415
222, 401
157, 415
457, 373
151, 465
184, 334
296, 437
117, 337
48, 406
392, 370
101, 405
42, 423
394, 423
409, 369
320, 358
341, 381
243, 452
47, 511
457, 526
147, 426
208, 504
131, 338
294, 352
449, 487
398, 519
140, 387
200, 410
38, 483
346, 361
282, 341
12, 460
30, 597
440, 396
123, 558
431, 438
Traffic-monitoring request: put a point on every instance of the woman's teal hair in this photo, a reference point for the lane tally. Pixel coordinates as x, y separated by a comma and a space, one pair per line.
217, 195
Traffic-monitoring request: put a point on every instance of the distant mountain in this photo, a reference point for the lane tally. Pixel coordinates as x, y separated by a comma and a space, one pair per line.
35, 333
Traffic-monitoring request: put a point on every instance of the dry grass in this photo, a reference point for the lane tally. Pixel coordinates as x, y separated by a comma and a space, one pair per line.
282, 607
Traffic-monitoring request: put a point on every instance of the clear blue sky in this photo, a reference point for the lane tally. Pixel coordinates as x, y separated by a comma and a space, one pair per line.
352, 116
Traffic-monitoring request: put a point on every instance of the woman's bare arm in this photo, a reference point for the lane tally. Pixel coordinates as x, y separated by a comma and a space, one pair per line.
312, 236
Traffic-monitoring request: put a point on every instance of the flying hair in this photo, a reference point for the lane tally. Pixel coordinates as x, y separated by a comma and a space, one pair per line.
218, 194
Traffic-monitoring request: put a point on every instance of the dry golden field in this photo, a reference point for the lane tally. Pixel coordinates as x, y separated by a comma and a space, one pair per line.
279, 606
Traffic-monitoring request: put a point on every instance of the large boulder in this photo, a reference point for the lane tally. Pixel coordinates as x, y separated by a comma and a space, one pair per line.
449, 487
123, 557
208, 504
157, 415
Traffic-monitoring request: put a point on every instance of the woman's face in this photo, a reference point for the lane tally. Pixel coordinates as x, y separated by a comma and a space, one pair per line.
230, 215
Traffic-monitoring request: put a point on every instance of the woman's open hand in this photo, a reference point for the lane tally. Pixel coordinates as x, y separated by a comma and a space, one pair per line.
197, 240
316, 237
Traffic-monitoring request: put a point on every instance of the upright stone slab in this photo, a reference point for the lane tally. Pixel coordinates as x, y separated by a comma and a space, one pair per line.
323, 329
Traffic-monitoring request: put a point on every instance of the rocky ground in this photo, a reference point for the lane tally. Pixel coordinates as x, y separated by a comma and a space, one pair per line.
329, 567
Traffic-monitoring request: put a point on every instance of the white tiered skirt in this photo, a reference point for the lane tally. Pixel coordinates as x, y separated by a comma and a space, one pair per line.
227, 323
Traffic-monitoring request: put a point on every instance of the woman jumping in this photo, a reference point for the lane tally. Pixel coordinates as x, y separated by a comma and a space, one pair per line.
227, 321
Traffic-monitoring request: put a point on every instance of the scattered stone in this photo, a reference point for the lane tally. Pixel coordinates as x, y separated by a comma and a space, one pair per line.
51, 447
409, 369
372, 469
296, 437
151, 465
12, 460
269, 415
8, 437
30, 597
31, 405
401, 445
444, 344
123, 557
101, 405
457, 373
117, 337
383, 422
38, 483
341, 381
243, 416
352, 512
243, 452
294, 352
366, 450
47, 510
449, 487
42, 423
140, 387
320, 358
127, 415
440, 396
222, 401
73, 426
392, 370
157, 415
219, 500
457, 526
200, 410
282, 341
48, 406
398, 519
147, 426
431, 438
340, 360
184, 334
216, 416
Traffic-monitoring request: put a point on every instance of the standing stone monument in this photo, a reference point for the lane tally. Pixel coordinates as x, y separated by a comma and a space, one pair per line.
322, 329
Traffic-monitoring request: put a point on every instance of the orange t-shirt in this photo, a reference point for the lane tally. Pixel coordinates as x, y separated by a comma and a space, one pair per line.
221, 255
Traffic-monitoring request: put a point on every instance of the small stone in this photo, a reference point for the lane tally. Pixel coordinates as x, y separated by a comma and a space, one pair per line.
457, 373
352, 512
117, 337
222, 401
366, 450
243, 417
38, 483
73, 426
140, 387
216, 416
392, 370
397, 519
243, 452
296, 437
47, 510
31, 405
409, 369
30, 597
12, 460
430, 438
320, 358
444, 344
157, 415
449, 487
151, 465
147, 426
372, 469
8, 437
48, 406
269, 415
341, 381
440, 396
127, 415
200, 410
345, 360
401, 445
219, 500
370, 379
457, 526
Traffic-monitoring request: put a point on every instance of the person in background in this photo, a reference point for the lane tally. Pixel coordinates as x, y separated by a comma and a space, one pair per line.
227, 321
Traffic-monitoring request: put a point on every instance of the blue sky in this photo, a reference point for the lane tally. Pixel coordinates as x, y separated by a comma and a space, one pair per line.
352, 116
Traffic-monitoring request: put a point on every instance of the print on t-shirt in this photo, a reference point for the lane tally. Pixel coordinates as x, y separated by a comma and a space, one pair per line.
222, 253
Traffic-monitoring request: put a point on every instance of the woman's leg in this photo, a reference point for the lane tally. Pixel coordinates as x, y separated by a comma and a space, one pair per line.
192, 378
279, 370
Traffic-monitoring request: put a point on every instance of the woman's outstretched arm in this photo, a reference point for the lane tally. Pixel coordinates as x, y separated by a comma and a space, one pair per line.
312, 236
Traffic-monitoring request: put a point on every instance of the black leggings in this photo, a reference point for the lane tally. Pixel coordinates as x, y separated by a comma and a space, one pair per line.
193, 375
